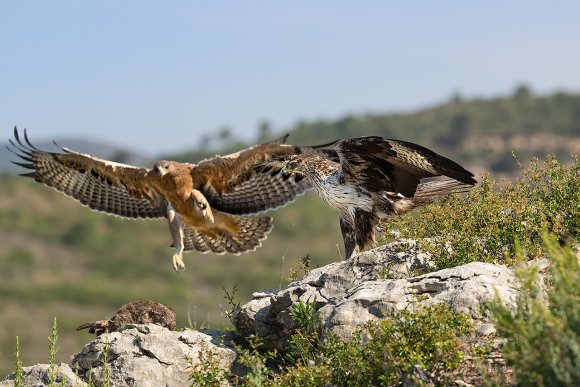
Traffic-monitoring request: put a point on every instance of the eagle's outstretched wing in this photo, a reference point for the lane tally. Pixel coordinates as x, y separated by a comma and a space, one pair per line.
102, 185
231, 184
379, 165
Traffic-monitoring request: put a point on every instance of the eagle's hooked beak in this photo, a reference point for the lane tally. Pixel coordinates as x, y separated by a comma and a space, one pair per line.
161, 170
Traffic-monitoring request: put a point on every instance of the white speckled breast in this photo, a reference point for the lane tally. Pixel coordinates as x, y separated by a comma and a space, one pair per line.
341, 196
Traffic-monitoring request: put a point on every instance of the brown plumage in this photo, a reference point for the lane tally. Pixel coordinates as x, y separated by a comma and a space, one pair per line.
205, 203
375, 178
135, 312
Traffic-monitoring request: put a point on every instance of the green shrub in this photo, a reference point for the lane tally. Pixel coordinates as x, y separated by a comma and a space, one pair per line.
387, 351
52, 350
483, 225
19, 373
256, 360
543, 343
207, 370
304, 342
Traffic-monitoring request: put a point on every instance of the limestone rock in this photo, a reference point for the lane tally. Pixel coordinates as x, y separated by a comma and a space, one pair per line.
150, 355
39, 376
376, 284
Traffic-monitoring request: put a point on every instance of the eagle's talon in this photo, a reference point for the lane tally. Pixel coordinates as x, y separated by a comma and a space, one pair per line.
178, 264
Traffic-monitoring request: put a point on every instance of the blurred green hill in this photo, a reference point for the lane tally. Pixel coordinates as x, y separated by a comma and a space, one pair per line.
480, 133
61, 260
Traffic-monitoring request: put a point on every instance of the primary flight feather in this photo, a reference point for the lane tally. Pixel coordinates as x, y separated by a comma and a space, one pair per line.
206, 204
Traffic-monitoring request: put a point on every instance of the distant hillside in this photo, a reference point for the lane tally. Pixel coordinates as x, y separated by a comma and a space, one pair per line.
481, 133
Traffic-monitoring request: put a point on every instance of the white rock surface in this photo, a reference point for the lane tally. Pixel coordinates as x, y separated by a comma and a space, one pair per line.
150, 355
376, 284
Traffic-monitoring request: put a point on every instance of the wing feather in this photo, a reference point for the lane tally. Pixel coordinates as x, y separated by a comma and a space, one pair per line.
231, 184
380, 164
102, 185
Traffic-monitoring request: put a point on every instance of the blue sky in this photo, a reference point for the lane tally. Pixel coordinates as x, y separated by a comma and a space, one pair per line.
156, 76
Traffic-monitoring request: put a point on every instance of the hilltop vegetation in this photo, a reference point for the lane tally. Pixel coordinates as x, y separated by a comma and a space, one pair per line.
486, 224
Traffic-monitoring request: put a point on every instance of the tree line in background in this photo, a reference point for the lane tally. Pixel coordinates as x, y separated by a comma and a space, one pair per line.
478, 132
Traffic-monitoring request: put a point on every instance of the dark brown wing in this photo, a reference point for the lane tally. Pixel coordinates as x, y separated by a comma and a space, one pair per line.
380, 164
102, 185
231, 184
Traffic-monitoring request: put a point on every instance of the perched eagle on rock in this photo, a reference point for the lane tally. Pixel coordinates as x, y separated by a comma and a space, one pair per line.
205, 204
375, 178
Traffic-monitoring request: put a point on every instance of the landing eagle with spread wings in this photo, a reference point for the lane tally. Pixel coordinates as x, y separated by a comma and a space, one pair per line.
206, 204
376, 178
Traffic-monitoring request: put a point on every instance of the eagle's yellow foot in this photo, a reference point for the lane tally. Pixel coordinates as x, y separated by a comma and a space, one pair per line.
178, 264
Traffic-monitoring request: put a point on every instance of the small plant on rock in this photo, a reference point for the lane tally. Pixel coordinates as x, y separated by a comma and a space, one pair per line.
19, 376
207, 369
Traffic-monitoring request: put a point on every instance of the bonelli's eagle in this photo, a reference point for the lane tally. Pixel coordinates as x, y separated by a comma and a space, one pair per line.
206, 204
375, 178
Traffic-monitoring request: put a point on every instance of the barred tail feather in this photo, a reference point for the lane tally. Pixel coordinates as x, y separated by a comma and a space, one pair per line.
251, 231
425, 194
434, 188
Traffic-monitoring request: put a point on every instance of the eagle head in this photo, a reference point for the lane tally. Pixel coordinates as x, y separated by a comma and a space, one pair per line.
164, 167
296, 165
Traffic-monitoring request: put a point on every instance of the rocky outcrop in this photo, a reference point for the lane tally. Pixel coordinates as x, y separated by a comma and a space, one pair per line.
376, 284
139, 355
150, 355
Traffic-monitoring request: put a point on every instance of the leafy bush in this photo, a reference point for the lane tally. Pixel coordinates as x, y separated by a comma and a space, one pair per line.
407, 347
483, 225
543, 340
304, 342
207, 370
385, 352
257, 361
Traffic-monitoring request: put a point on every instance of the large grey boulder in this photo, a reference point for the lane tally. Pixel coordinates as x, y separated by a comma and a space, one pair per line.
39, 376
376, 284
150, 355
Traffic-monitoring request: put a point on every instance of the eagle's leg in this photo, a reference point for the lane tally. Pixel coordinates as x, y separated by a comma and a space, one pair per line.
176, 229
349, 238
364, 228
359, 232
